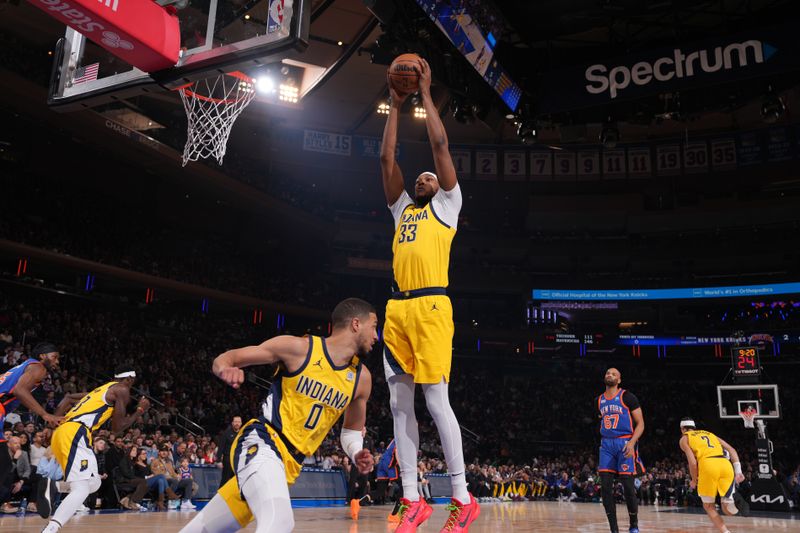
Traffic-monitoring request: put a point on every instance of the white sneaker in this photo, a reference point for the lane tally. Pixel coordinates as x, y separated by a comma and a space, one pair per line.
187, 505
51, 527
82, 509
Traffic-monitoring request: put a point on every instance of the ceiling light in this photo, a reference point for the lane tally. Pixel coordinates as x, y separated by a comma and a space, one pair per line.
340, 43
419, 112
383, 108
288, 93
265, 85
247, 17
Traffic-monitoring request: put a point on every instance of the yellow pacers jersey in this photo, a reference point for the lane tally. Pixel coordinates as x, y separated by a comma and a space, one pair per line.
305, 404
92, 410
421, 248
704, 444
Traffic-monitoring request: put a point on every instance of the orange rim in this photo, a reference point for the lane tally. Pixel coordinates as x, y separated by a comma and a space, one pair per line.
187, 89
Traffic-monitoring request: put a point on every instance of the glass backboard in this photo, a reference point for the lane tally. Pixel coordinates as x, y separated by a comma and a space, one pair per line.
734, 399
216, 36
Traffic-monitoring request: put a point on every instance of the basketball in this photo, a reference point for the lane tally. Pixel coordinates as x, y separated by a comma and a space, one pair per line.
403, 73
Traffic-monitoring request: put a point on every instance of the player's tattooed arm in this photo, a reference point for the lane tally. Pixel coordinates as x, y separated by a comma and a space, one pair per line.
286, 349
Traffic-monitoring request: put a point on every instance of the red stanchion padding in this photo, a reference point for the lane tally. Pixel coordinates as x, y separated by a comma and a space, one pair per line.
140, 32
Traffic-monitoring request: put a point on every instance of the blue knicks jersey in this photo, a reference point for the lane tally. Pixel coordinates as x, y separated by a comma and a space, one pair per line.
9, 380
615, 414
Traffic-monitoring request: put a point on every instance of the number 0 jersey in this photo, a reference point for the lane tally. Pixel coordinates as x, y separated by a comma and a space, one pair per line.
305, 404
704, 444
92, 410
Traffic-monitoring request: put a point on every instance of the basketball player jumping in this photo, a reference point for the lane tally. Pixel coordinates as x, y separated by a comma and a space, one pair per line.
72, 444
712, 473
419, 316
17, 386
319, 379
621, 427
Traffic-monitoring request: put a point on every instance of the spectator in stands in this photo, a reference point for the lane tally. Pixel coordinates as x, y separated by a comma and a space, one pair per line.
106, 491
127, 481
224, 442
564, 487
163, 465
186, 475
157, 482
17, 484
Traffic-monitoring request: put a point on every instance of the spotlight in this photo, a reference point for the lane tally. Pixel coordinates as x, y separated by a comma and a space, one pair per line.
609, 135
265, 85
772, 107
247, 17
288, 93
419, 112
339, 43
526, 130
383, 108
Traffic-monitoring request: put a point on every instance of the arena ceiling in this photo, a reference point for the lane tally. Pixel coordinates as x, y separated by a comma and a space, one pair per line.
537, 38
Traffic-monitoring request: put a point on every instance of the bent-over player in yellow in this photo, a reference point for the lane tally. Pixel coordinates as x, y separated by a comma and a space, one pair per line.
712, 472
419, 316
72, 444
319, 380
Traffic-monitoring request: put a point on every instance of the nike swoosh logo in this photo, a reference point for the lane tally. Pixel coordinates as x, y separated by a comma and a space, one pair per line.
464, 522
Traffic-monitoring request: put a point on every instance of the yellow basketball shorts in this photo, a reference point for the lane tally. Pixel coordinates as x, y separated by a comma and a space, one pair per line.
254, 445
715, 477
418, 335
72, 448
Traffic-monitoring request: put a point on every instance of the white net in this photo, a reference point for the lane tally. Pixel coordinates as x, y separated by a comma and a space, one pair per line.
749, 416
212, 106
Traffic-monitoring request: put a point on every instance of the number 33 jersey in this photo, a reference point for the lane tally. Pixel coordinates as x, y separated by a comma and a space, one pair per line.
304, 405
422, 239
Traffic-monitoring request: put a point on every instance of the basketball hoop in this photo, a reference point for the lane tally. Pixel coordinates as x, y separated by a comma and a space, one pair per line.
749, 417
212, 106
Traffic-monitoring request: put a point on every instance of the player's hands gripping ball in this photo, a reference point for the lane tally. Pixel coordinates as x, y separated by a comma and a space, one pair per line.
364, 461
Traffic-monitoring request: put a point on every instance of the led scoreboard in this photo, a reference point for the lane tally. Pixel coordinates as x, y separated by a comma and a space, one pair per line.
745, 362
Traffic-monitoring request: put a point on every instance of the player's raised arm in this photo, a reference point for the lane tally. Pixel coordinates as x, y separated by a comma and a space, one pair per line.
437, 135
355, 418
283, 349
390, 170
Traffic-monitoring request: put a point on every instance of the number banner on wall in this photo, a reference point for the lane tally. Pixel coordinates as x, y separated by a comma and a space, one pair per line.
639, 162
695, 157
589, 165
462, 161
541, 165
614, 164
326, 143
700, 155
514, 166
723, 154
486, 165
779, 147
668, 159
564, 164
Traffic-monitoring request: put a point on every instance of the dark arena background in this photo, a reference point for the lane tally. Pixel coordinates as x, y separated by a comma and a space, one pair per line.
630, 173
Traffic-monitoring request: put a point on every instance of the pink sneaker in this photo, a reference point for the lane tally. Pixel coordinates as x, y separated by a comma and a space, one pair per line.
412, 515
461, 516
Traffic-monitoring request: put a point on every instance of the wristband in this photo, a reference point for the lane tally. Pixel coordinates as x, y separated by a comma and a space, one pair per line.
352, 442
737, 468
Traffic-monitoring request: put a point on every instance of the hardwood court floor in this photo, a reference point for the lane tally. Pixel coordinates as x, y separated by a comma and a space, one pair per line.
552, 517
